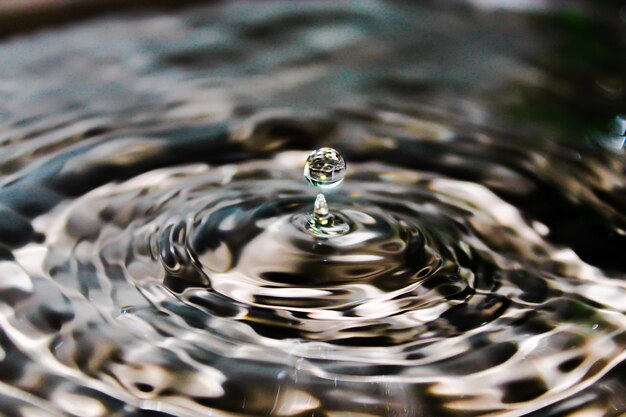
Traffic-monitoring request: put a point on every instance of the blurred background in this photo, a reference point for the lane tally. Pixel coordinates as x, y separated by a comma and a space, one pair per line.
23, 15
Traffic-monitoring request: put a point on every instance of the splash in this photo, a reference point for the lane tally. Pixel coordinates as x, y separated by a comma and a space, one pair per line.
325, 168
157, 255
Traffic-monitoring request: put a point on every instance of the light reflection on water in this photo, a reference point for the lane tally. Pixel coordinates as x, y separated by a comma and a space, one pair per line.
152, 262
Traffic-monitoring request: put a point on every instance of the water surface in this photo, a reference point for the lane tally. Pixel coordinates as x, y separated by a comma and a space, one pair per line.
153, 256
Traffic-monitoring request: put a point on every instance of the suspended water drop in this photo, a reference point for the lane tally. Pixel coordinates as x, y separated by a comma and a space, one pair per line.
325, 168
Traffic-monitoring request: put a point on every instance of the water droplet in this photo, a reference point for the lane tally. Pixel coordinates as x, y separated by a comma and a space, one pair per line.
325, 168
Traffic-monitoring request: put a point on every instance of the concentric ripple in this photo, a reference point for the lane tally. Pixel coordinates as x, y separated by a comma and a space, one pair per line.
155, 257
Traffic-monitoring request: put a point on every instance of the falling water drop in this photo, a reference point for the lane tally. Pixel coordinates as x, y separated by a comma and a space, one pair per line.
325, 168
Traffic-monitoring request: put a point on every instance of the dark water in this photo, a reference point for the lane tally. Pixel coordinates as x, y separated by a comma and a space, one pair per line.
153, 256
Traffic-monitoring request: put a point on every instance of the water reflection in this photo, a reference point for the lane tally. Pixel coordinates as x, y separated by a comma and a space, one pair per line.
152, 171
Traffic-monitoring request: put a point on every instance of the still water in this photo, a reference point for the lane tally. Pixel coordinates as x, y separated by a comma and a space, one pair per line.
156, 252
